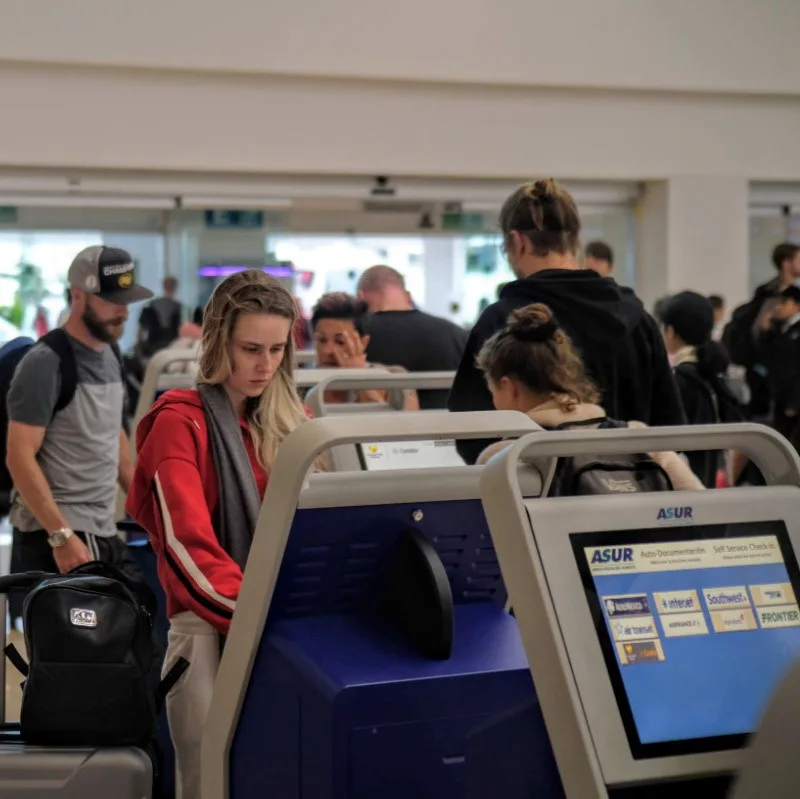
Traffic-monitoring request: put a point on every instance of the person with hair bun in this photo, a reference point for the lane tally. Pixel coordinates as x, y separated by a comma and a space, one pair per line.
204, 457
619, 341
700, 365
532, 366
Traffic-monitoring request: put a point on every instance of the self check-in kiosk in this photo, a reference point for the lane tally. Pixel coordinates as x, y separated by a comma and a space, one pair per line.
336, 681
384, 455
656, 625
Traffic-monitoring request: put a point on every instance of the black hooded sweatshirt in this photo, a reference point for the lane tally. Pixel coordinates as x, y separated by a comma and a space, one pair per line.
619, 341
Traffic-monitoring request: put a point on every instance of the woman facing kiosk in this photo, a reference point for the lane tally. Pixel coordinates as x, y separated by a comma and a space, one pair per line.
203, 466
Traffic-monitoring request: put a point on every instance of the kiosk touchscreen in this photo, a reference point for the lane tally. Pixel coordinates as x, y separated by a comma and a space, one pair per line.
657, 625
379, 455
697, 627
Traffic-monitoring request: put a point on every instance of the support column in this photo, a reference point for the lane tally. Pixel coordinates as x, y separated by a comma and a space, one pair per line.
181, 251
692, 233
445, 266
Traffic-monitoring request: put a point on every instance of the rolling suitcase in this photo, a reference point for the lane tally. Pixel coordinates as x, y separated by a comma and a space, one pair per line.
37, 772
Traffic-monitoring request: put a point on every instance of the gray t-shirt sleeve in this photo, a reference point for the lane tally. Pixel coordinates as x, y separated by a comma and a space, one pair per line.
34, 389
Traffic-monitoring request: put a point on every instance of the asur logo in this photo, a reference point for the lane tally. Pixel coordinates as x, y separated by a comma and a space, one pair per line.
668, 514
613, 555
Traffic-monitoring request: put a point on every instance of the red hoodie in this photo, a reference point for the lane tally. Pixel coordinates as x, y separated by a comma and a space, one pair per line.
174, 497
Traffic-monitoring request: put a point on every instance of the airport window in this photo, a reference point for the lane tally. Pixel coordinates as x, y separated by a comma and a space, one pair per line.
33, 276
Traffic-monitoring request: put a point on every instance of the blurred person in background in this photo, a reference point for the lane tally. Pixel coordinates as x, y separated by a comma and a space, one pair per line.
41, 324
619, 341
718, 306
658, 308
301, 331
159, 322
742, 335
402, 335
779, 350
337, 322
64, 315
700, 366
599, 257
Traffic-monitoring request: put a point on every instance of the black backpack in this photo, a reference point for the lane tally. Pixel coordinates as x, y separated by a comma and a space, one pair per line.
727, 408
10, 356
737, 336
581, 475
88, 634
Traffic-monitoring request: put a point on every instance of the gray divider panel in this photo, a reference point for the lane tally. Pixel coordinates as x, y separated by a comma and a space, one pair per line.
394, 382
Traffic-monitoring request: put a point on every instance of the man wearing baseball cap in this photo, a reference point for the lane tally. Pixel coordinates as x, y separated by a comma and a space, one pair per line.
66, 449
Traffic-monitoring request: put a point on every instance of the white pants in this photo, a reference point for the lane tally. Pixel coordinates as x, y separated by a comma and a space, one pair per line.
189, 701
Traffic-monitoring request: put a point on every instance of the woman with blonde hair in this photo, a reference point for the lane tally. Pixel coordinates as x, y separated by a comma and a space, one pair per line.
203, 466
532, 366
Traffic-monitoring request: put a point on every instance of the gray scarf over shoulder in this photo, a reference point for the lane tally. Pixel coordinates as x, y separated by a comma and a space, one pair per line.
239, 503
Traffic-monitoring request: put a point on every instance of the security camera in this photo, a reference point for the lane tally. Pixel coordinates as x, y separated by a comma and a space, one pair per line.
381, 188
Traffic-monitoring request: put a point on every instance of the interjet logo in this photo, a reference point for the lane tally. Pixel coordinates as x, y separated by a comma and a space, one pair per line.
668, 514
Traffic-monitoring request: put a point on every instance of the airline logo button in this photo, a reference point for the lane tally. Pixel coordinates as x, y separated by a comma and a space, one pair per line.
679, 624
625, 629
733, 621
626, 605
779, 616
640, 652
773, 594
677, 601
718, 598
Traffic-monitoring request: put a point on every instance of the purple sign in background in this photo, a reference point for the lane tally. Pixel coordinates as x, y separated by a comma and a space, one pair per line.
226, 271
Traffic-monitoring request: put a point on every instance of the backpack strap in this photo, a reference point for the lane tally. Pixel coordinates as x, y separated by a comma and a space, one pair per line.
16, 660
600, 421
58, 341
686, 371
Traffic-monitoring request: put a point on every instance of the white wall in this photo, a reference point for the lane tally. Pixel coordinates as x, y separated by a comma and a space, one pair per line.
712, 45
146, 121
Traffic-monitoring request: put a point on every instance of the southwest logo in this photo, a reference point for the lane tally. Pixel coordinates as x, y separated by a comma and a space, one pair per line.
613, 555
665, 514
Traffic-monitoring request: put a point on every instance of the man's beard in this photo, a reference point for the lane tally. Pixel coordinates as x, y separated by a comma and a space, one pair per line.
99, 329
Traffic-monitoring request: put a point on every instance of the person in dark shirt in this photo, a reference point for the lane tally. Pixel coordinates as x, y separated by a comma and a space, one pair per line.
779, 348
402, 335
619, 341
698, 362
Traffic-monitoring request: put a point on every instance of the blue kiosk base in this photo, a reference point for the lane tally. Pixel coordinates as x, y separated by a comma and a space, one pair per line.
510, 757
337, 709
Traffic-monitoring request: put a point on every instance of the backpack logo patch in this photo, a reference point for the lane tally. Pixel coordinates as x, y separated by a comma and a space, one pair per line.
80, 617
622, 485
